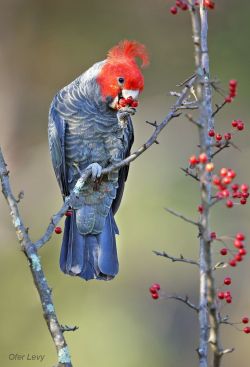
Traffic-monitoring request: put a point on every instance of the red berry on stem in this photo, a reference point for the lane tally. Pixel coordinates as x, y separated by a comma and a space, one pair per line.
228, 299
134, 104
238, 243
240, 126
209, 167
228, 136
246, 329
232, 263
218, 137
235, 187
58, 230
229, 204
68, 213
245, 320
209, 4
244, 188
242, 252
155, 295
200, 209
221, 295
184, 6
173, 10
234, 123
227, 281
223, 251
193, 160
178, 3
240, 236
243, 201
156, 286
238, 257
213, 236
233, 83
223, 172
203, 158
211, 133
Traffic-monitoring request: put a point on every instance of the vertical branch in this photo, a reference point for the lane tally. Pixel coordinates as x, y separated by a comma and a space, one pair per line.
208, 317
41, 284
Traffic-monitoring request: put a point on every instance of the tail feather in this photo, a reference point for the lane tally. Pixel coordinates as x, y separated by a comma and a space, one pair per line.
90, 256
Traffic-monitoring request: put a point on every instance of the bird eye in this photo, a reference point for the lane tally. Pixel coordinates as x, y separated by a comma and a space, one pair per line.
121, 80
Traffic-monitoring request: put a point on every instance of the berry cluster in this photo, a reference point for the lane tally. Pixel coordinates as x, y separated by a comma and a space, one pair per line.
237, 254
232, 91
182, 5
225, 191
124, 102
154, 290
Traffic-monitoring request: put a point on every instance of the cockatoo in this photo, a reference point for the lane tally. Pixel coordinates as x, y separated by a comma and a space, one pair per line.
90, 127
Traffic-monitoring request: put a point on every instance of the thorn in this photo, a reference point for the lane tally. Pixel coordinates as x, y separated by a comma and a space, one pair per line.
156, 142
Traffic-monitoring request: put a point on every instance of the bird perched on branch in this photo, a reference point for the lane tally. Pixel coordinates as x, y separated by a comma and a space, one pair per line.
90, 128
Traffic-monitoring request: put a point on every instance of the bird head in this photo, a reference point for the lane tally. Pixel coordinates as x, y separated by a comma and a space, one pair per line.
120, 76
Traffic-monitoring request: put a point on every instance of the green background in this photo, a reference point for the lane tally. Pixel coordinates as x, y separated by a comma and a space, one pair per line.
45, 45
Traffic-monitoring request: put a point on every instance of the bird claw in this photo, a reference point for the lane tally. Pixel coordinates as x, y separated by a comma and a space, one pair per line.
96, 170
124, 112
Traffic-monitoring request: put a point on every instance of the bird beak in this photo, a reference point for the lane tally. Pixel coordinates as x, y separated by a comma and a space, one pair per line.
134, 93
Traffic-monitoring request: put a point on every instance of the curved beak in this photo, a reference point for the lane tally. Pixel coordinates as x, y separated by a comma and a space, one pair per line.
134, 93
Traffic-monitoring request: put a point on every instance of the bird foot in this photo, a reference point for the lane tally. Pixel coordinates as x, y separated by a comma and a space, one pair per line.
124, 113
96, 170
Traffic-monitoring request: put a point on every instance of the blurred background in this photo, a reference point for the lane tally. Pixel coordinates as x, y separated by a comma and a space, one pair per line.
44, 46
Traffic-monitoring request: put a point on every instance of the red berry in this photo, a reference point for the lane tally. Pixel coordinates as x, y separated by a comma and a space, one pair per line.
213, 236
238, 257
238, 243
211, 133
232, 263
227, 281
218, 137
225, 193
68, 213
223, 251
246, 329
229, 204
216, 180
200, 209
209, 4
231, 173
178, 3
234, 123
243, 201
221, 295
233, 83
228, 136
193, 160
235, 187
240, 126
134, 104
242, 252
245, 320
184, 6
173, 10
244, 188
228, 299
227, 180
155, 295
129, 100
156, 286
152, 290
245, 195
209, 167
203, 158
223, 172
240, 236
227, 294
58, 230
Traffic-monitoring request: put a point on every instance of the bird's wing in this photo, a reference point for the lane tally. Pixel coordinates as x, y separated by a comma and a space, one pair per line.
56, 134
123, 173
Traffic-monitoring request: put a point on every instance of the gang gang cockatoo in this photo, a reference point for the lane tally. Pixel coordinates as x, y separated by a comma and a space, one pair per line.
90, 127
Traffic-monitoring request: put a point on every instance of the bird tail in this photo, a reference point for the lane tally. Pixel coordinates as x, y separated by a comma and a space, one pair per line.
90, 256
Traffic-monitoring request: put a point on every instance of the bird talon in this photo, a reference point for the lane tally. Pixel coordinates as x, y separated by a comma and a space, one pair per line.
96, 170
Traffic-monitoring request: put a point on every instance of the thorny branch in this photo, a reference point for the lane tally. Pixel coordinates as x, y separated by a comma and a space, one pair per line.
176, 259
182, 299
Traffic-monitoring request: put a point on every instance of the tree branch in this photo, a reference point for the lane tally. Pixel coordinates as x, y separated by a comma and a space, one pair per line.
184, 300
174, 259
178, 215
41, 284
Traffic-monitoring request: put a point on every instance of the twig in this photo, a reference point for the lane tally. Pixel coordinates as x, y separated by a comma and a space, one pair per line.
188, 173
225, 145
218, 108
190, 118
181, 216
174, 259
69, 328
36, 270
184, 300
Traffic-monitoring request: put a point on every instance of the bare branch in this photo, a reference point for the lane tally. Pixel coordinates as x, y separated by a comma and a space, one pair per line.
174, 259
219, 107
183, 300
190, 118
178, 215
188, 173
36, 269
